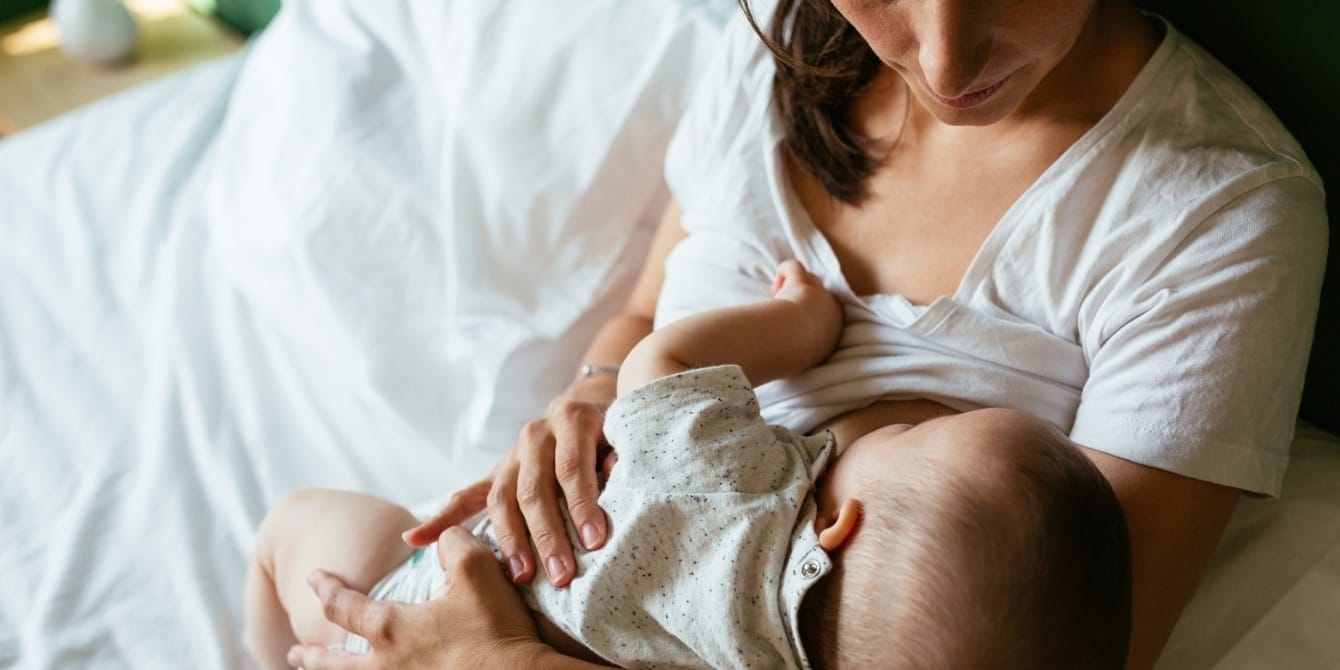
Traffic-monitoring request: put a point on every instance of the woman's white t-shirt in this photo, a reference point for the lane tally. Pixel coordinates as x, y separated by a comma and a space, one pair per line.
1153, 293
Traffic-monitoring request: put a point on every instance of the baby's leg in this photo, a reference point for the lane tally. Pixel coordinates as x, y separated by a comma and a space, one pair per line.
353, 536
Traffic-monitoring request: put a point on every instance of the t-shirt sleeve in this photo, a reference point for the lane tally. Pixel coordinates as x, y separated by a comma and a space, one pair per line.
722, 104
699, 430
1199, 370
721, 263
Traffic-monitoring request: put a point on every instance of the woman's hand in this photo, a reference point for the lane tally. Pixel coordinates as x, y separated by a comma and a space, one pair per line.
562, 447
558, 452
476, 621
462, 505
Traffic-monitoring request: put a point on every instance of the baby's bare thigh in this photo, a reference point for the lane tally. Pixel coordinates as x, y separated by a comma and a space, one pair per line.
353, 536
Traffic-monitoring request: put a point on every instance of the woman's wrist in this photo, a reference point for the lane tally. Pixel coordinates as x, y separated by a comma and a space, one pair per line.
592, 370
598, 389
541, 656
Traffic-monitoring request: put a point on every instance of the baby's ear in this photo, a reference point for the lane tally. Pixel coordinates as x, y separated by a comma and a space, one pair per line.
834, 532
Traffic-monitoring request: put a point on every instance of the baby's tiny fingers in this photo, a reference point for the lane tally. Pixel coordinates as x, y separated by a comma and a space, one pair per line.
789, 272
793, 270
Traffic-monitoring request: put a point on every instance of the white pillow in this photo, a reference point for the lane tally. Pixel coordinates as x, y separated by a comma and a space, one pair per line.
451, 199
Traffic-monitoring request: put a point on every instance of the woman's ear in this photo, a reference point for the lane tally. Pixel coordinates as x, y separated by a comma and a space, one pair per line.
834, 533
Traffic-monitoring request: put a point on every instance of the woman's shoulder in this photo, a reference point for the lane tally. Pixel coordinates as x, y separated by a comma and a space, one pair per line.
1187, 141
741, 75
1194, 112
721, 146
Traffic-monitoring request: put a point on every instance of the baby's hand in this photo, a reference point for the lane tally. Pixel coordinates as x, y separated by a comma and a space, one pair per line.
795, 284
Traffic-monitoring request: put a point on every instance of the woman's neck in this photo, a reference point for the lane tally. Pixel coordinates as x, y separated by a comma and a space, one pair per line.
1114, 46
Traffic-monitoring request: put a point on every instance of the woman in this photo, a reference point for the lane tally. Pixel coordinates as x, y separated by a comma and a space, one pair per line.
1056, 205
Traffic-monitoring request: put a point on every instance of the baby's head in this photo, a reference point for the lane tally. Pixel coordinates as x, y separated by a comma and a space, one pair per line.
983, 540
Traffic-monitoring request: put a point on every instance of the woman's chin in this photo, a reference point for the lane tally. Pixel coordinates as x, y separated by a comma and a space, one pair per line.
978, 109
981, 115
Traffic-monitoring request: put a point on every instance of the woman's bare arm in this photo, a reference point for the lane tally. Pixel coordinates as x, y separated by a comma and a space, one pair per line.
1175, 523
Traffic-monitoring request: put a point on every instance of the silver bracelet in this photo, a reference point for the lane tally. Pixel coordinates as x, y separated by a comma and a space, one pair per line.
589, 370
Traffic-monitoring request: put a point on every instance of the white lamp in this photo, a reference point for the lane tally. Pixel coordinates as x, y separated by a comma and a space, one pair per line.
101, 31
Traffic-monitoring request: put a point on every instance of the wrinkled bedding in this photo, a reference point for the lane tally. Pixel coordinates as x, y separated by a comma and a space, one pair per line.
359, 254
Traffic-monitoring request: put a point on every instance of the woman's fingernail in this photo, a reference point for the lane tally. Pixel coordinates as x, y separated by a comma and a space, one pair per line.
292, 657
590, 536
555, 568
515, 565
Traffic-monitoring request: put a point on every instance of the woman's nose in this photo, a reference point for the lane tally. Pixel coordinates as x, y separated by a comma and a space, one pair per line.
953, 46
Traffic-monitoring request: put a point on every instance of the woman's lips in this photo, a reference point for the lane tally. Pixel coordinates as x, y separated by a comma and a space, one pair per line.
970, 99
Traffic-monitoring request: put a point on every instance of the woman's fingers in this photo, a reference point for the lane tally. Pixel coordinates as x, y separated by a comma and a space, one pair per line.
578, 433
477, 617
350, 609
476, 585
462, 505
485, 612
537, 494
312, 657
523, 500
375, 620
460, 553
509, 526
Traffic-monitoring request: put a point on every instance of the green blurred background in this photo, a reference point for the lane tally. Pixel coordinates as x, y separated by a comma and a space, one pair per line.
12, 8
246, 16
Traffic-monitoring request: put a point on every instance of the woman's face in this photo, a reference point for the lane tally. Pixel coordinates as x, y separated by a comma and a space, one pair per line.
970, 62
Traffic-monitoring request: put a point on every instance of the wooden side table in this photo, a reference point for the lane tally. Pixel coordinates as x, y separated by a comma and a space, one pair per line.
38, 82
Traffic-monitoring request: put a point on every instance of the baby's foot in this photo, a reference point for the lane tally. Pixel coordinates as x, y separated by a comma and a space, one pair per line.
795, 284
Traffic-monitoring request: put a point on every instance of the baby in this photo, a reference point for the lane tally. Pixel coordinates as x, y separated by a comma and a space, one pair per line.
980, 540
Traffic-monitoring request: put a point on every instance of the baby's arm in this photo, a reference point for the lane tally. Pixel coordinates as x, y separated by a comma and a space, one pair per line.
791, 332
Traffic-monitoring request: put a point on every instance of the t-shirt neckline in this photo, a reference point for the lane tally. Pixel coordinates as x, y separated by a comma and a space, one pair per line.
806, 236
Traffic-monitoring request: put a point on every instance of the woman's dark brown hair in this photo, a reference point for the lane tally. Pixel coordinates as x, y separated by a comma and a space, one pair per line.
822, 63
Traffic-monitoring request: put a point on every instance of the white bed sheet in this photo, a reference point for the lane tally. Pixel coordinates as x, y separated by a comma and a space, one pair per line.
357, 255
333, 260
1271, 596
120, 544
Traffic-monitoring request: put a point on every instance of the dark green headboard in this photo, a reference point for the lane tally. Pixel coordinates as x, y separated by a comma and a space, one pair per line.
12, 8
1286, 50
